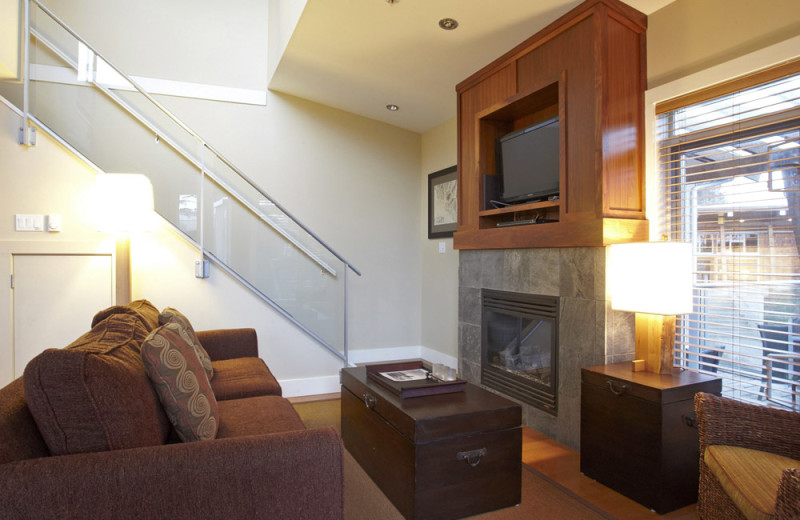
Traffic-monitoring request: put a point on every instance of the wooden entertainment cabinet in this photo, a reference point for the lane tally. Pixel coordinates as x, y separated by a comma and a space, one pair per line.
589, 68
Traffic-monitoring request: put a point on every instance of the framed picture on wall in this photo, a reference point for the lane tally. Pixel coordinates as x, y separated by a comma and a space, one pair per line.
442, 203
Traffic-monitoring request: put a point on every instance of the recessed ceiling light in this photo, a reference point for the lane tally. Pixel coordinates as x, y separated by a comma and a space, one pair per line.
392, 108
448, 24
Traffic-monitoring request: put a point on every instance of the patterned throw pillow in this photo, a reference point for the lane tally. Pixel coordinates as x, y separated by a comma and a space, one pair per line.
181, 383
170, 315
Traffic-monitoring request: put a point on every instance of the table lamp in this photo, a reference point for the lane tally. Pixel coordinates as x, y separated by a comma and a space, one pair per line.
124, 205
654, 280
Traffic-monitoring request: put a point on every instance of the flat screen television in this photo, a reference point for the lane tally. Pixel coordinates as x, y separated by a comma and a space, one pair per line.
528, 163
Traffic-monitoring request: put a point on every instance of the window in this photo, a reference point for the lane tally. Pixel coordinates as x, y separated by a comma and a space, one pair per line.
729, 173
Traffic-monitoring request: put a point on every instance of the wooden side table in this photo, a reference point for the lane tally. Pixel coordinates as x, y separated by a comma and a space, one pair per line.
639, 434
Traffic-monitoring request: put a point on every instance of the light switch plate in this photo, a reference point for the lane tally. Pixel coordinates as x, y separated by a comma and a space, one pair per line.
28, 222
442, 247
53, 223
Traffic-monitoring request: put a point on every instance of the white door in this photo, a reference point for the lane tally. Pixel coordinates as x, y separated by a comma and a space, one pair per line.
55, 297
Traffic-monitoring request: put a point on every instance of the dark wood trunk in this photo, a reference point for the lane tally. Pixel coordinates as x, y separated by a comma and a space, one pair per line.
409, 447
638, 433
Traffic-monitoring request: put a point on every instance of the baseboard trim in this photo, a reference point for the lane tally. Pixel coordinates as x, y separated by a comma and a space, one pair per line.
330, 384
310, 386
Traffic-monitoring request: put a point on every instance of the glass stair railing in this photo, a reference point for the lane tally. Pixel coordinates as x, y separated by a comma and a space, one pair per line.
73, 92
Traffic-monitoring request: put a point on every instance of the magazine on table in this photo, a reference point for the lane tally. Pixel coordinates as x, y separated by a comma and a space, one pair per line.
406, 375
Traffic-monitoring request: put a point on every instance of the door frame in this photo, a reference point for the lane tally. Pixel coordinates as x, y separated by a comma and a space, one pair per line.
8, 249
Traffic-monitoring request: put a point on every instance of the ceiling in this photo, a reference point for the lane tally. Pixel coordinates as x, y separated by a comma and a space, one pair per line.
360, 55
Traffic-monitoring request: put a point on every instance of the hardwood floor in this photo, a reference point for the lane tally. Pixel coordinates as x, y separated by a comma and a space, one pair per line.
562, 465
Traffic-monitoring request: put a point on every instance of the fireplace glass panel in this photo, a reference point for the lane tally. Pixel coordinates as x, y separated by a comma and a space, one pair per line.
520, 345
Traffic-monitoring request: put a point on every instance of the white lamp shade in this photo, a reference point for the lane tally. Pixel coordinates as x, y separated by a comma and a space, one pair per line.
124, 202
651, 277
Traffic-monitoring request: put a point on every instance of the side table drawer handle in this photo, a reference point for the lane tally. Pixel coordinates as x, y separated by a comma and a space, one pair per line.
370, 400
473, 457
622, 388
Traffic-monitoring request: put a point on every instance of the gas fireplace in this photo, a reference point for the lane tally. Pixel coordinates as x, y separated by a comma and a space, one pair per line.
519, 346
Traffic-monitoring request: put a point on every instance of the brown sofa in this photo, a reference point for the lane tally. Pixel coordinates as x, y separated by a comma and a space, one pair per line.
118, 457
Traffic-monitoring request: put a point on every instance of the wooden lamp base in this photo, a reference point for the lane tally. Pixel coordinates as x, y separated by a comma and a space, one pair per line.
655, 341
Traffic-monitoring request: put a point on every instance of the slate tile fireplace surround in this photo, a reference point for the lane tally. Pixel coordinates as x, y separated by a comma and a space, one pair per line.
589, 332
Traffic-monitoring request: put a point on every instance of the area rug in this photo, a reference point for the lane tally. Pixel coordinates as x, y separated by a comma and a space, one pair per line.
363, 500
541, 498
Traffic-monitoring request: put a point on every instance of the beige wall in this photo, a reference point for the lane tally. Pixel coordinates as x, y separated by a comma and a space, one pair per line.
354, 181
687, 36
360, 184
283, 18
9, 38
439, 289
41, 180
182, 40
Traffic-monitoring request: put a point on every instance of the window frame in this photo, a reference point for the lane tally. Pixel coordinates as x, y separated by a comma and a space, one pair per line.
675, 150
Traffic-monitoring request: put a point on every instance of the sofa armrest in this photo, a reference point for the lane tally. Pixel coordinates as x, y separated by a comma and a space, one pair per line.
285, 475
787, 505
734, 423
229, 343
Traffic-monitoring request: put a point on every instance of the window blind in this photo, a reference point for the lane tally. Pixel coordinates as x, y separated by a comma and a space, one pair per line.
729, 174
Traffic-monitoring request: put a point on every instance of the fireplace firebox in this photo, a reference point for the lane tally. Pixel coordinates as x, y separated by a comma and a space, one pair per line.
519, 346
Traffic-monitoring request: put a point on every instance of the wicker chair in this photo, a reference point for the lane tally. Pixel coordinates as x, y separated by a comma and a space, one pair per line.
724, 421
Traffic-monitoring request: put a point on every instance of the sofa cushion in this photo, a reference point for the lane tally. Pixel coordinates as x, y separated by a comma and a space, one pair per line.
183, 388
243, 377
229, 343
20, 435
257, 416
94, 394
141, 309
750, 477
170, 315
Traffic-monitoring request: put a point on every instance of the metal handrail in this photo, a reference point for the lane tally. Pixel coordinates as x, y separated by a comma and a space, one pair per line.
199, 164
191, 132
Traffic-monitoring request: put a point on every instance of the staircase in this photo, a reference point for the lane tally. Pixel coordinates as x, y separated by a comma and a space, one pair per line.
74, 93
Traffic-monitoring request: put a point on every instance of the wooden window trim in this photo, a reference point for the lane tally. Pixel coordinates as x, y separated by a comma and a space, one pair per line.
767, 75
